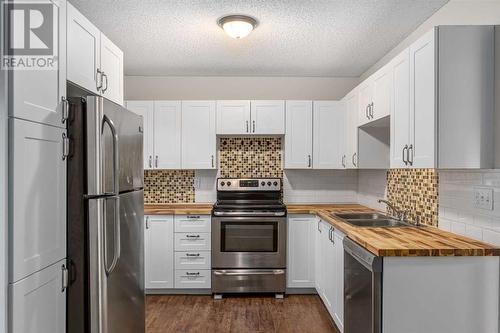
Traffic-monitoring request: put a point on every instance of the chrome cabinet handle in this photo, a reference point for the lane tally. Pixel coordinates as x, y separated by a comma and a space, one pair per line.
309, 163
371, 111
213, 165
192, 274
333, 236
366, 111
147, 222
65, 279
150, 161
410, 161
354, 159
247, 125
192, 254
318, 226
343, 161
106, 77
405, 148
98, 79
193, 236
253, 124
156, 161
193, 216
65, 109
65, 147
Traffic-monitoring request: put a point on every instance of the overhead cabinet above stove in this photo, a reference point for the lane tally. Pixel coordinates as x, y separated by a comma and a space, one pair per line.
243, 117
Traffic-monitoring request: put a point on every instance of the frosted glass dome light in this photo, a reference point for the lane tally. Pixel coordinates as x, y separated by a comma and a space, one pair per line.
237, 26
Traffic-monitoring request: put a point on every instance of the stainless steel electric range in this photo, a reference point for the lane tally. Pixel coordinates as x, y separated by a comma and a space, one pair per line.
249, 237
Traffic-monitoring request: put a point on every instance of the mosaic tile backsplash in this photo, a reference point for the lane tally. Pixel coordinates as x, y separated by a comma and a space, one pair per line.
415, 190
168, 186
250, 157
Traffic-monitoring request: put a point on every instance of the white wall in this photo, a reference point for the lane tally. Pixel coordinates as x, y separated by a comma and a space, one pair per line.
372, 185
455, 12
224, 87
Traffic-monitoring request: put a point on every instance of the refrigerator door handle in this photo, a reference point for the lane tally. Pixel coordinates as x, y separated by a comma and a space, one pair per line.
117, 242
109, 122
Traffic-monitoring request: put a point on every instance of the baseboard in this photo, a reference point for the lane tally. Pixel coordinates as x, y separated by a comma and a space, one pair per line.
178, 291
301, 291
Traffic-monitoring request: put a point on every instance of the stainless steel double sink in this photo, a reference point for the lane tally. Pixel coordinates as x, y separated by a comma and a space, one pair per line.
370, 220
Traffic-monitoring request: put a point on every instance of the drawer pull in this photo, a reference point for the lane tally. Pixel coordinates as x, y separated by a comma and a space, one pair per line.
193, 236
192, 254
192, 274
193, 217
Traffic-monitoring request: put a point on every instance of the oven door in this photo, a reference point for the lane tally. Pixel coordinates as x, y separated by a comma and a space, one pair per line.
248, 242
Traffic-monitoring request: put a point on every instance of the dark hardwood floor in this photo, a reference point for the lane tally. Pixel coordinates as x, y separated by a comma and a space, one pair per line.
190, 313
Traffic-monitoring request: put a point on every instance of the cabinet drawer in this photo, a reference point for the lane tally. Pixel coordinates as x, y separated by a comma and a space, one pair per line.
195, 279
192, 260
196, 241
192, 223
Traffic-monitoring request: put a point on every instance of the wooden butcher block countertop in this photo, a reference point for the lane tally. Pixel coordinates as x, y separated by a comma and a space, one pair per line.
385, 242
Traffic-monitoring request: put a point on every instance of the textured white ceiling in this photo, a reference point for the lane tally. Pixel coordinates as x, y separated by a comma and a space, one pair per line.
294, 38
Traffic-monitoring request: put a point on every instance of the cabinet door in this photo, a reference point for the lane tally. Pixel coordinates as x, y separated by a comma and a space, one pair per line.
38, 302
83, 51
112, 68
338, 308
233, 117
298, 135
146, 110
328, 135
268, 117
159, 252
38, 95
300, 268
382, 90
318, 256
423, 102
400, 116
38, 192
351, 130
328, 268
365, 100
198, 135
167, 135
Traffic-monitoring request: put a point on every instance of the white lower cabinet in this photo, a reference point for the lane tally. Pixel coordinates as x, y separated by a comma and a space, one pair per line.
193, 279
300, 256
159, 252
37, 303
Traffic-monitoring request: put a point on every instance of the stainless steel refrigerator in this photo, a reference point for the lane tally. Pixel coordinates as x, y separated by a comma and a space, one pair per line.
105, 218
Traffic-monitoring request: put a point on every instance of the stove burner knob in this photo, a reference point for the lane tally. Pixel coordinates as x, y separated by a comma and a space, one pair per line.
228, 183
268, 183
275, 183
222, 184
263, 183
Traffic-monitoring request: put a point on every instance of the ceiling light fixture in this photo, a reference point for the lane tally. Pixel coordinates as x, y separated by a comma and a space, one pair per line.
237, 26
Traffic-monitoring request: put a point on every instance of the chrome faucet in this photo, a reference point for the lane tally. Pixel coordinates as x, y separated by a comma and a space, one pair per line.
400, 214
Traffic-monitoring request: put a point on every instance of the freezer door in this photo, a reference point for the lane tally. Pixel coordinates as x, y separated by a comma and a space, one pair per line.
116, 264
114, 148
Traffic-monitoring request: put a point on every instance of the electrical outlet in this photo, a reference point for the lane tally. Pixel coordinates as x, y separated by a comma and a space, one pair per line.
483, 198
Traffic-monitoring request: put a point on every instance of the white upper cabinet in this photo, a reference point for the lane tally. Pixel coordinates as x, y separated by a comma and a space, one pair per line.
146, 110
233, 117
37, 217
351, 130
198, 135
38, 95
328, 135
268, 117
159, 252
365, 99
300, 257
400, 116
112, 70
299, 134
84, 47
382, 92
167, 135
93, 61
421, 148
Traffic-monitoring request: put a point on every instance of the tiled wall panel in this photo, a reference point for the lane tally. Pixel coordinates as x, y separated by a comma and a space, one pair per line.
169, 186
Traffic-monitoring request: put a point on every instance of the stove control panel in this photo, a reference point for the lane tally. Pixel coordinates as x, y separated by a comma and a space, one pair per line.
249, 184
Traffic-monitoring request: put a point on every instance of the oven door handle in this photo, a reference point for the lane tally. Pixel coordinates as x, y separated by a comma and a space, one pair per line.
246, 272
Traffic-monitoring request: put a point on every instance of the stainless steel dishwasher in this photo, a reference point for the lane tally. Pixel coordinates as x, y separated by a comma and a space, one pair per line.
362, 290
